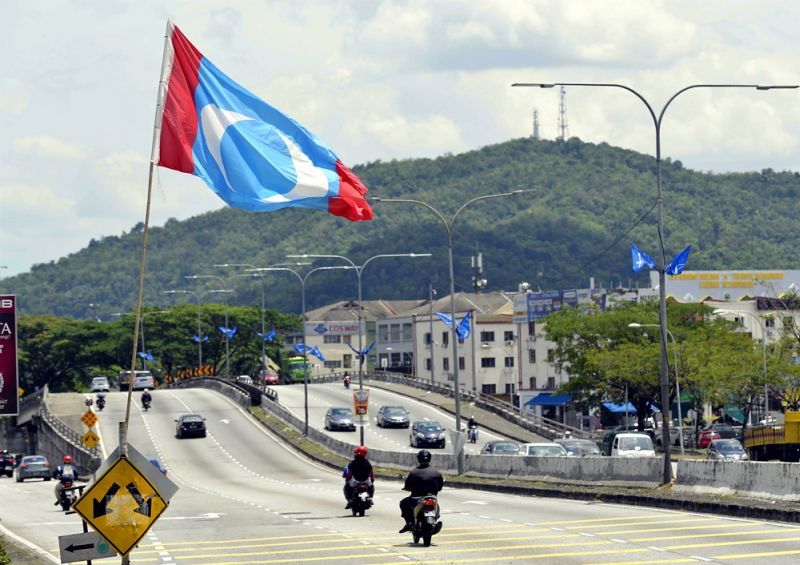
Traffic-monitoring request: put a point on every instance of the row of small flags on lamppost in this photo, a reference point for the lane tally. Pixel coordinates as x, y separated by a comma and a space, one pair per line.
675, 267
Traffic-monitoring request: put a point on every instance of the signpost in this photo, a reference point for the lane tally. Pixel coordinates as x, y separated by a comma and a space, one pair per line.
90, 439
84, 547
89, 419
121, 505
9, 370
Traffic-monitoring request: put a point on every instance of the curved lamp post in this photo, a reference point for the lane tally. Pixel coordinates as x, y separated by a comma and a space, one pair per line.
722, 312
359, 269
448, 228
302, 279
677, 383
662, 307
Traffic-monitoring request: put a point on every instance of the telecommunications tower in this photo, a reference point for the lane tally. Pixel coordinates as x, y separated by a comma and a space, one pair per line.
563, 131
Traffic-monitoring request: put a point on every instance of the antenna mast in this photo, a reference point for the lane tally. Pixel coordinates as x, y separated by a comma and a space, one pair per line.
536, 125
562, 116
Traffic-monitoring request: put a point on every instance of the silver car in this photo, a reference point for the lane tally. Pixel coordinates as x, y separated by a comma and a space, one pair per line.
726, 450
392, 417
34, 467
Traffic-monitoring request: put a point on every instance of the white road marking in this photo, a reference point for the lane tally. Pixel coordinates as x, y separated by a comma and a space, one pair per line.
474, 502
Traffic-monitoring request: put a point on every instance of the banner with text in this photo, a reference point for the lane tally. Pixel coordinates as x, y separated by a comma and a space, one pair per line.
9, 373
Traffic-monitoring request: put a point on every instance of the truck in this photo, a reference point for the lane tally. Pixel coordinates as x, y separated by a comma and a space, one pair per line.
774, 441
294, 372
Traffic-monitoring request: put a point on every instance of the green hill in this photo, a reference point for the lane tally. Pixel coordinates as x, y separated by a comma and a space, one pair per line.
583, 198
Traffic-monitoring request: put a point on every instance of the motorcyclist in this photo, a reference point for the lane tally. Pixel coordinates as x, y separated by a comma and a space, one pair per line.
359, 470
101, 400
64, 473
146, 398
421, 481
472, 428
346, 380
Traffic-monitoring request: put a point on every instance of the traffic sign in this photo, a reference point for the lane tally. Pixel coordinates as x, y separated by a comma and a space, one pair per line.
89, 419
361, 401
165, 487
83, 547
121, 505
90, 439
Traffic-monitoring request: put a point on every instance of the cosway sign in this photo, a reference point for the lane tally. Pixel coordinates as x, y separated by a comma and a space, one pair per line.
121, 505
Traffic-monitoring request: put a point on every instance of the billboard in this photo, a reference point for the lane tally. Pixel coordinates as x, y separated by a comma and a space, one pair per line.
332, 328
9, 374
534, 306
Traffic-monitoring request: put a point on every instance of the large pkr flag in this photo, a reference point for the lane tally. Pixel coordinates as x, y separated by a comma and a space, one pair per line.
248, 152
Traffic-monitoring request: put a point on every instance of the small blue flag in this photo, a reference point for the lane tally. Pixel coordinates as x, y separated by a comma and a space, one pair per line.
641, 259
301, 348
677, 265
197, 339
148, 356
363, 354
229, 332
270, 336
463, 329
316, 353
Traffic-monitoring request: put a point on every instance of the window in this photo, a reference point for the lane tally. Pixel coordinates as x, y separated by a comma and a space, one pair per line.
509, 388
347, 339
508, 362
445, 338
407, 359
769, 322
347, 360
489, 389
508, 336
427, 339
331, 339
461, 364
446, 363
532, 329
394, 332
333, 364
551, 355
531, 356
428, 364
383, 333
395, 360
406, 332
532, 383
551, 383
487, 362
487, 336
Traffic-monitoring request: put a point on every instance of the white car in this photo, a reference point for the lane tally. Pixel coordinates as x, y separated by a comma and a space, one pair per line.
100, 384
632, 445
141, 382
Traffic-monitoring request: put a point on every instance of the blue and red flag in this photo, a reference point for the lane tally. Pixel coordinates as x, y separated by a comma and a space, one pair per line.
249, 153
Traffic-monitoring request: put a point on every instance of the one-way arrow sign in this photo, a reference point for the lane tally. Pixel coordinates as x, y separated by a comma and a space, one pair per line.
83, 547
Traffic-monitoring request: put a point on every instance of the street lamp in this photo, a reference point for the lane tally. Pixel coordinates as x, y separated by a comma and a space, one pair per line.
665, 439
758, 320
197, 296
227, 329
302, 279
359, 269
662, 296
448, 228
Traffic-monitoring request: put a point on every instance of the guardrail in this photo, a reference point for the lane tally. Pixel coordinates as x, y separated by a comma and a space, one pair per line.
57, 439
231, 389
544, 427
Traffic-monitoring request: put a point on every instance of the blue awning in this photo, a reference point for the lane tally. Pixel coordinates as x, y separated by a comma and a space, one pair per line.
617, 408
547, 399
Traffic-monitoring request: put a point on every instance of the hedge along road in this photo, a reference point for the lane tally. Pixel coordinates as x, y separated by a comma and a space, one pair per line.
323, 396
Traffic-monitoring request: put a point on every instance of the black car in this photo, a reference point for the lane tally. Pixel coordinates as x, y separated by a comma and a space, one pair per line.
7, 463
580, 447
503, 447
190, 425
427, 434
340, 419
392, 417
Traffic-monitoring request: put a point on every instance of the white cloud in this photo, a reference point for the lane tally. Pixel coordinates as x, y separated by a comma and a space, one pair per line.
45, 146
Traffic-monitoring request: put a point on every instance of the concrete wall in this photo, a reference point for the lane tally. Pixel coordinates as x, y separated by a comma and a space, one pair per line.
774, 480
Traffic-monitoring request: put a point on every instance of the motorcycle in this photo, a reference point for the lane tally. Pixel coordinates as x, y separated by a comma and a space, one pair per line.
361, 498
66, 496
426, 520
347, 382
146, 405
100, 402
473, 434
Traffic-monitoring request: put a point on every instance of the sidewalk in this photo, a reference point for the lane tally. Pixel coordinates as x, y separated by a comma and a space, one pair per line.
486, 420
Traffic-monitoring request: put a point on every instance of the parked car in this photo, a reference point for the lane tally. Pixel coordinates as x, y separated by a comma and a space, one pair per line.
725, 431
674, 438
190, 425
158, 465
580, 447
392, 417
632, 445
726, 450
340, 419
706, 437
270, 377
427, 434
100, 384
542, 450
500, 447
34, 467
607, 439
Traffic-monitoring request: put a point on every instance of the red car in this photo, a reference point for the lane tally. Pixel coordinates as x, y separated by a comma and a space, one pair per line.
706, 437
270, 377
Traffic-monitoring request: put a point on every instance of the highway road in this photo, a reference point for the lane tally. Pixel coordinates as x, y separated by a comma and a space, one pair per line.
245, 499
323, 396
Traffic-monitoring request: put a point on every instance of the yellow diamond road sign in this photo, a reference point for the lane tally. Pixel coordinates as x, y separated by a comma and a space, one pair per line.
90, 439
89, 419
121, 505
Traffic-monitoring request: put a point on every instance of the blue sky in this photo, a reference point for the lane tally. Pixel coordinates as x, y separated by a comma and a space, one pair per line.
374, 80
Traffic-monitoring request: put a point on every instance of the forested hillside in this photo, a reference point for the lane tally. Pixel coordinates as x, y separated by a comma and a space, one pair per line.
583, 197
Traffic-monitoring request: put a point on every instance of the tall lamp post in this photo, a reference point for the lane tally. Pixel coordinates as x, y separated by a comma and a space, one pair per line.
722, 312
448, 228
197, 296
359, 269
677, 386
227, 338
302, 279
662, 296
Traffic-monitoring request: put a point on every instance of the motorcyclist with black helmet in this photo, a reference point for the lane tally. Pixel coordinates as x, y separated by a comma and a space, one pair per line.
421, 481
359, 470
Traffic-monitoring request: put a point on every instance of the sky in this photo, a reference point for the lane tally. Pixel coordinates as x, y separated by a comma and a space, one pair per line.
374, 80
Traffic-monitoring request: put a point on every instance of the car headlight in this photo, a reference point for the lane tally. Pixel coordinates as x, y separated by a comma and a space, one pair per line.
441, 435
421, 436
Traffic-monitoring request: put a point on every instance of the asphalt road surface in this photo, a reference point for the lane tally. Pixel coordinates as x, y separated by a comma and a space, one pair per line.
245, 498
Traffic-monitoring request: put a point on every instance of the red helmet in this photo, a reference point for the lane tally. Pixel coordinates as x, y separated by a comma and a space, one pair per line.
68, 459
360, 451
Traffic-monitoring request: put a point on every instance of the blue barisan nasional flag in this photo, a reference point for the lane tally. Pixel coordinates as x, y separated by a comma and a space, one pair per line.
463, 329
316, 353
363, 354
147, 355
301, 348
228, 332
197, 339
249, 153
678, 264
270, 336
641, 259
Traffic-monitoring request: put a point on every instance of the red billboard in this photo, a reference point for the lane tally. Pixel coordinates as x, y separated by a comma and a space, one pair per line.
9, 376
